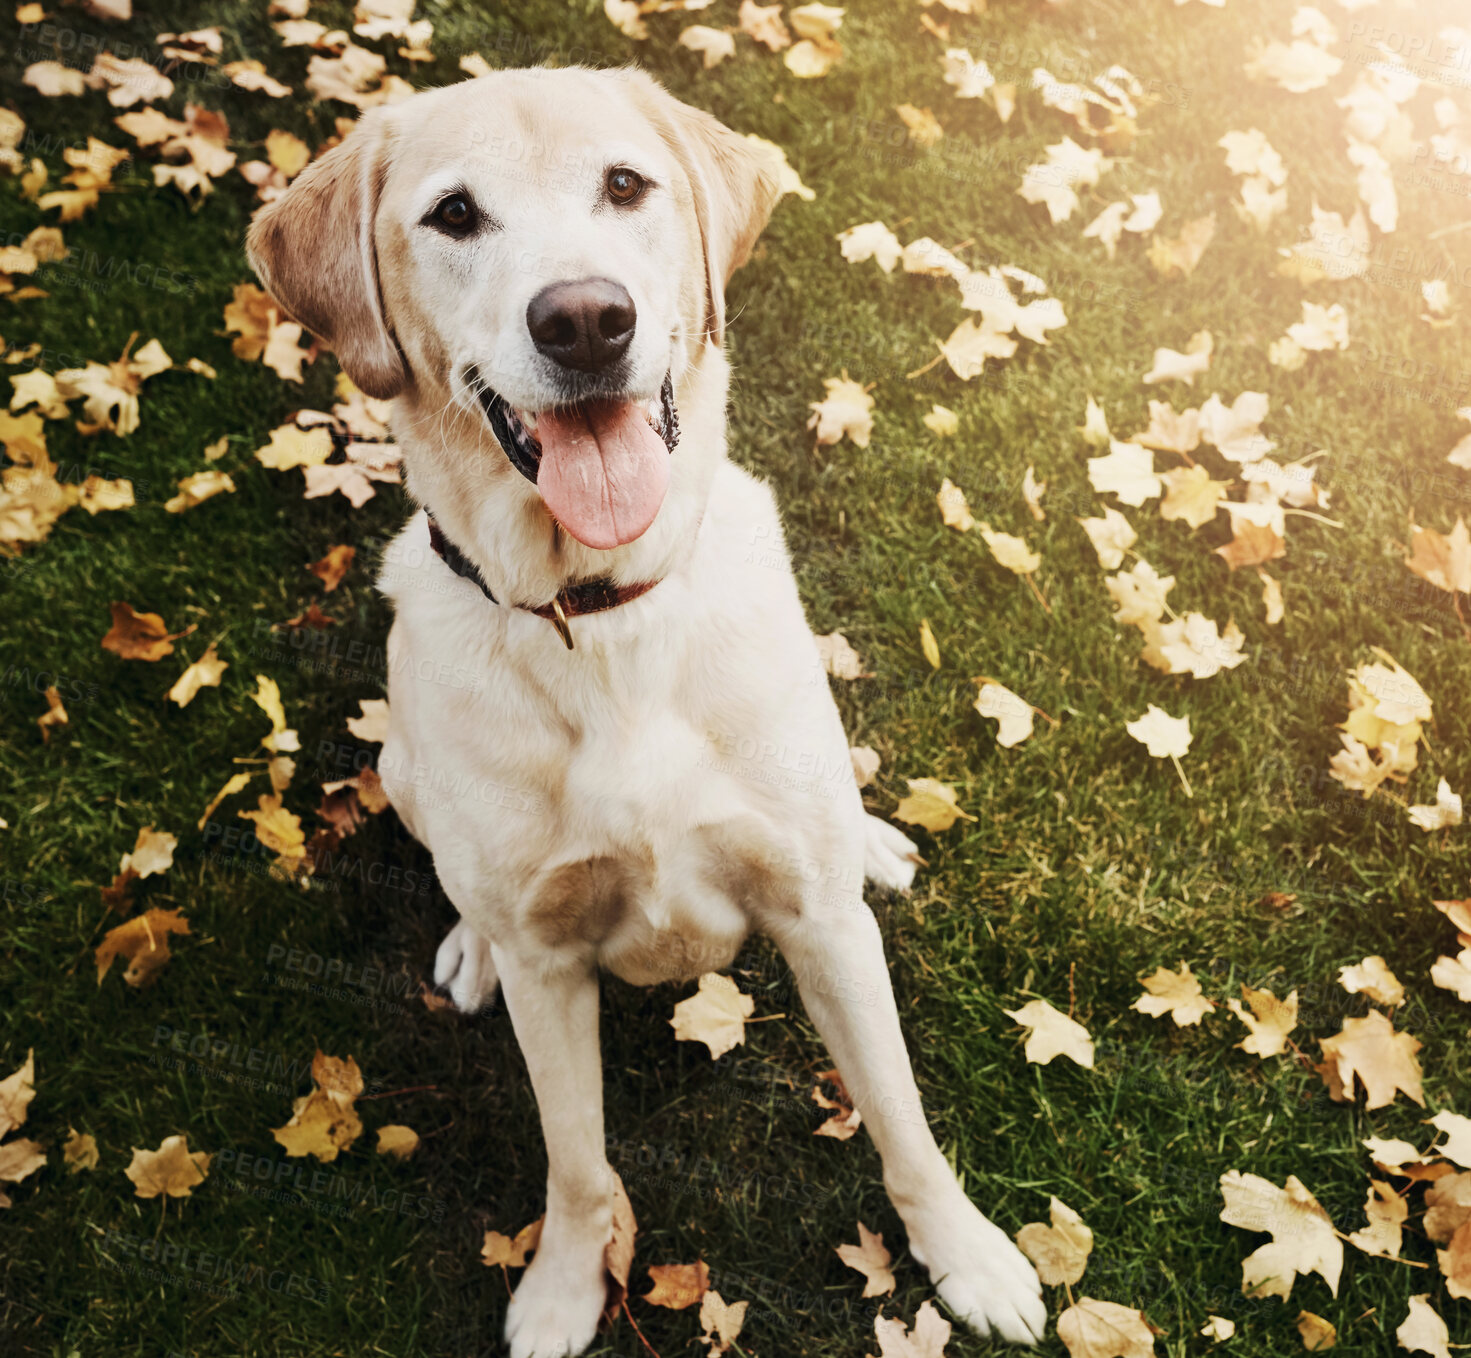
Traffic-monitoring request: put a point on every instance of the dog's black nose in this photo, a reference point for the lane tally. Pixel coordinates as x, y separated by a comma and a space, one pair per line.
586, 325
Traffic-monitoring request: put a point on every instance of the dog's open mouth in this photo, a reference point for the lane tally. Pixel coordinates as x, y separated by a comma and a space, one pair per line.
601, 466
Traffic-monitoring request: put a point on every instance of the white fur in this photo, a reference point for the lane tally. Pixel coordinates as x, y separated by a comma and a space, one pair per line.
690, 734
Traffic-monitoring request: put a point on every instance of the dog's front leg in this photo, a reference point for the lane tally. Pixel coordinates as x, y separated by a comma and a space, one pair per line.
837, 956
554, 1007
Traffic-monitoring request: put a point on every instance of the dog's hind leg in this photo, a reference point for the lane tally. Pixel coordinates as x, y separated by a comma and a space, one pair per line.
554, 1009
835, 950
463, 966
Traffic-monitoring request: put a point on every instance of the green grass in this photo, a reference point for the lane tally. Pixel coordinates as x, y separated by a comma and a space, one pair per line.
1085, 866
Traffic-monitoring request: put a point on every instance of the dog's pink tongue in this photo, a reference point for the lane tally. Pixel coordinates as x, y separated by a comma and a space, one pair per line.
604, 471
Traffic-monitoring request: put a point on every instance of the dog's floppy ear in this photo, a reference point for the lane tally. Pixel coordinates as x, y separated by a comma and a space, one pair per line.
735, 187
313, 249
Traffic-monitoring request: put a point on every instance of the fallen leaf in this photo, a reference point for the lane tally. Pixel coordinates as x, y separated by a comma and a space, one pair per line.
866, 763
1372, 977
677, 1286
1182, 254
870, 1258
1139, 593
372, 725
970, 345
943, 423
501, 1250
721, 1321
397, 1140
1009, 551
1192, 645
1191, 495
324, 1122
1111, 536
1298, 66
716, 1015
1444, 561
206, 672
847, 412
764, 24
1303, 1239
251, 75
79, 1151
1060, 1250
924, 127
1422, 1330
1052, 1034
845, 1119
1171, 365
871, 240
172, 1170
713, 44
144, 941
1176, 993
927, 1340
197, 488
1457, 1129
16, 1092
55, 714
1269, 1021
1383, 1060
139, 636
954, 511
1163, 735
278, 829
1316, 1332
128, 81
931, 805
20, 1157
1127, 471
1386, 1212
53, 79
618, 1253
1103, 1329
292, 447
1252, 545
1012, 714
1271, 597
1455, 1263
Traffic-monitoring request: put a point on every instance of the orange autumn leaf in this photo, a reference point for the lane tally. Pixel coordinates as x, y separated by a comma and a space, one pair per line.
677, 1286
144, 941
140, 636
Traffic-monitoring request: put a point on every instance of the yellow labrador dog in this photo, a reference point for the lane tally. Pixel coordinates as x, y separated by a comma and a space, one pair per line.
533, 265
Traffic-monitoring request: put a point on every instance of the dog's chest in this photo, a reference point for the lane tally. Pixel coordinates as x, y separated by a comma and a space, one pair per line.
625, 834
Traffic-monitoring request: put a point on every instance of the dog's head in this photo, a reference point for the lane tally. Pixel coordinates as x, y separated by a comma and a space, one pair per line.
544, 253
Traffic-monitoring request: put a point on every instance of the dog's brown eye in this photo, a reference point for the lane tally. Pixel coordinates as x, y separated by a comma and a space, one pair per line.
624, 185
455, 214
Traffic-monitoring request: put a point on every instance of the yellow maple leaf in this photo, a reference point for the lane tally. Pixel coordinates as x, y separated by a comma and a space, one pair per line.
931, 805
170, 1171
716, 1015
292, 447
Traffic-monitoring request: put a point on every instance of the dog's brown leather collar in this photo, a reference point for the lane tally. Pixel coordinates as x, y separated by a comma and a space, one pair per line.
587, 596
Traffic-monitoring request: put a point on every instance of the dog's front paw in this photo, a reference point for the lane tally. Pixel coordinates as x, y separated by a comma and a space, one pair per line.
556, 1309
463, 965
980, 1275
889, 855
